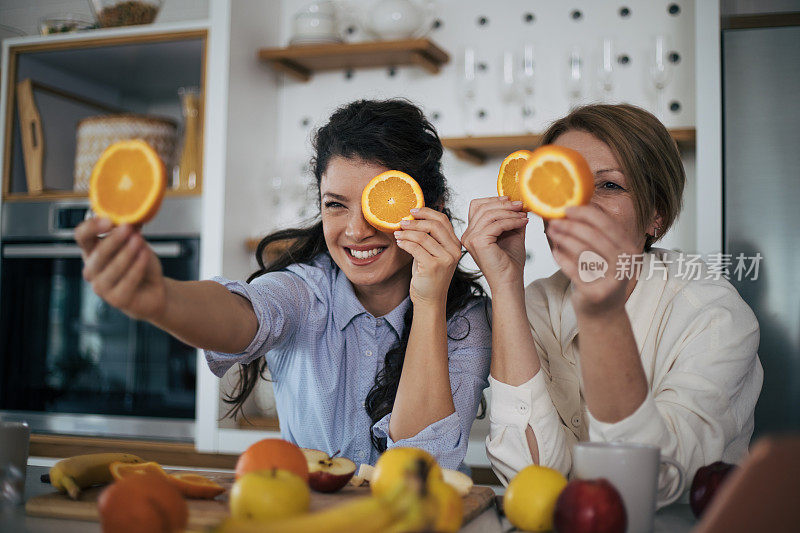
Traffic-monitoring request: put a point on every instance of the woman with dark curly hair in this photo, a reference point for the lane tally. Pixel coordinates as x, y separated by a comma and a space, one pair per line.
372, 339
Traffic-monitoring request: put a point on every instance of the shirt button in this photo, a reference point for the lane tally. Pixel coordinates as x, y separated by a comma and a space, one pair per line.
522, 408
576, 421
368, 353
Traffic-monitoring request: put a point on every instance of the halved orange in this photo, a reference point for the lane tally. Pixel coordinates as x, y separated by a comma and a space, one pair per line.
196, 486
128, 182
508, 178
121, 470
554, 178
389, 198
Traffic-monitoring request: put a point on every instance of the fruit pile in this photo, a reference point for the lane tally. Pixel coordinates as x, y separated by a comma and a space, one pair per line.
540, 499
409, 492
142, 497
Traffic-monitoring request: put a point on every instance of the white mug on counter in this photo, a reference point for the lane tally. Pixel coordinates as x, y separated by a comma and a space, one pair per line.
14, 440
633, 470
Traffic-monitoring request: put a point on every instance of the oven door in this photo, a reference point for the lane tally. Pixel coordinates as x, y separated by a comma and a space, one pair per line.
66, 354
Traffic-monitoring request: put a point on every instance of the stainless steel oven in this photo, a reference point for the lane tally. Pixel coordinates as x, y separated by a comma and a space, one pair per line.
69, 362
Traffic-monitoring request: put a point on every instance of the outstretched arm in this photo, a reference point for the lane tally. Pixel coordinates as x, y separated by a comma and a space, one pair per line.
125, 273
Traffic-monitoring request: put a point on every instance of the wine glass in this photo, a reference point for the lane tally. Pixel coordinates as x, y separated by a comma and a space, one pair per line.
605, 71
509, 90
660, 72
526, 81
575, 77
467, 88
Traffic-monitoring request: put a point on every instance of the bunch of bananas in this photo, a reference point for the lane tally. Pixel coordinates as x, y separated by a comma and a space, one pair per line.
73, 474
408, 506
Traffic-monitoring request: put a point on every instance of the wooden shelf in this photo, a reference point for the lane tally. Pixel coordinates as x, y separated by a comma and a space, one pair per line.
477, 150
47, 196
301, 62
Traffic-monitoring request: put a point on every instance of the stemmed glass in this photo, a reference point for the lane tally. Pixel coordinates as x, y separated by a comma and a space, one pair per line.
575, 77
605, 71
509, 91
526, 79
467, 88
660, 72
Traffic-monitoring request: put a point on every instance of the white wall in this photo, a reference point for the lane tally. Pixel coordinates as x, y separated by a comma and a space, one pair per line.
304, 106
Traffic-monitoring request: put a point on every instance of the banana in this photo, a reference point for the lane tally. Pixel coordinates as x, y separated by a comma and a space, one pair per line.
370, 514
72, 474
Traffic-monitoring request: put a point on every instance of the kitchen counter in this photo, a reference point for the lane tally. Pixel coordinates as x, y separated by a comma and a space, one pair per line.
676, 518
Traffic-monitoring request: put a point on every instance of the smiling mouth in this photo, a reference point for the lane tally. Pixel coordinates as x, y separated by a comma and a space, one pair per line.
365, 254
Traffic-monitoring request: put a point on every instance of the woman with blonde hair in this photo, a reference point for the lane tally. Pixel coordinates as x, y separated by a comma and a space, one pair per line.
658, 354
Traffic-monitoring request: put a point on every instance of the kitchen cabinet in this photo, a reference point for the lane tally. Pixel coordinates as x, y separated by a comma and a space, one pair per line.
52, 83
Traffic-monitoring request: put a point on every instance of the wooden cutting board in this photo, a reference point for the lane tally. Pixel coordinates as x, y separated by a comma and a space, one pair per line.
209, 513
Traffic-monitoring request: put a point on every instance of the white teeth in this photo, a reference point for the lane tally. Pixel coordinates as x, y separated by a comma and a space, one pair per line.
358, 254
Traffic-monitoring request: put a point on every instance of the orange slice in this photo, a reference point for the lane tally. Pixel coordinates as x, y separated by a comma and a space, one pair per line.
508, 179
128, 183
196, 486
121, 470
553, 179
389, 198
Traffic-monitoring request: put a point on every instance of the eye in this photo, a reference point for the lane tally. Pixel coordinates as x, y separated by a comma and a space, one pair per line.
330, 204
610, 185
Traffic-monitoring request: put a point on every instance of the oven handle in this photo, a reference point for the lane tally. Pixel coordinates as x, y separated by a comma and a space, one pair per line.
58, 251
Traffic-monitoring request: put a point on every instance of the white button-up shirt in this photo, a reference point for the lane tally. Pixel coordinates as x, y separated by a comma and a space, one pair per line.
697, 339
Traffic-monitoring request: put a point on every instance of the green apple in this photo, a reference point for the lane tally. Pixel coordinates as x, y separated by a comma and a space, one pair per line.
269, 495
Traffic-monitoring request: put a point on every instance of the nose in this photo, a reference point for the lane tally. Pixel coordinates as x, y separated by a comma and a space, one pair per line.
358, 229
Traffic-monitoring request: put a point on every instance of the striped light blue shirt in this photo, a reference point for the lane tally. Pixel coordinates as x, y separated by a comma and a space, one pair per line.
324, 349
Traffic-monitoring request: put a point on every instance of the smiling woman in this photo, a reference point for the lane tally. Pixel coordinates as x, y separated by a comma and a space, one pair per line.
373, 339
624, 342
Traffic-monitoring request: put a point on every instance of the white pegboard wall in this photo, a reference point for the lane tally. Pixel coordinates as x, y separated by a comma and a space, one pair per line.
490, 28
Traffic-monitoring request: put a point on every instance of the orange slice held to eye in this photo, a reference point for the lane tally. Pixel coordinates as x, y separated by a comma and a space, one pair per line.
128, 183
389, 198
189, 485
508, 179
553, 179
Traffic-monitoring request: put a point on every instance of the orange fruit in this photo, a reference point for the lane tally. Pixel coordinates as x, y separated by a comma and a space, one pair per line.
553, 179
196, 486
128, 182
508, 178
144, 503
120, 470
267, 454
389, 198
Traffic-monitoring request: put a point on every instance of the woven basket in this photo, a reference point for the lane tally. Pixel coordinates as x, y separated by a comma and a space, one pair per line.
95, 134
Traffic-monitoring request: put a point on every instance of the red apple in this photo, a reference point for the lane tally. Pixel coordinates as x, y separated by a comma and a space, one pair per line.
705, 484
326, 473
590, 506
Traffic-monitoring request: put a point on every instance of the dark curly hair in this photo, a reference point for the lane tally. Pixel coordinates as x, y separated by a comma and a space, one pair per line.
395, 134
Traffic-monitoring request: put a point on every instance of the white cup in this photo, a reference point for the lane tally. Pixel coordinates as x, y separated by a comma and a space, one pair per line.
633, 470
14, 440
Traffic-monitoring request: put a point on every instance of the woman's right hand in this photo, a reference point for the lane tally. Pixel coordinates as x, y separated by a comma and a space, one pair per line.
495, 238
122, 268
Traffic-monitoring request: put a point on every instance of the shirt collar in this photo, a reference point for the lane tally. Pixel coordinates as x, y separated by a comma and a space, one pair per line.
347, 306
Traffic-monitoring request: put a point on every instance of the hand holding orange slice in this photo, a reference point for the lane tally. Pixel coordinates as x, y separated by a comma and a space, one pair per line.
128, 183
508, 179
553, 179
389, 198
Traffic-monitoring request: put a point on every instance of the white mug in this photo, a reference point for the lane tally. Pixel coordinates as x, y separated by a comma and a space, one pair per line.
14, 440
633, 470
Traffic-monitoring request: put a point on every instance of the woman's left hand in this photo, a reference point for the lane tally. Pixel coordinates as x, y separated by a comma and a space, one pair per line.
436, 250
581, 242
